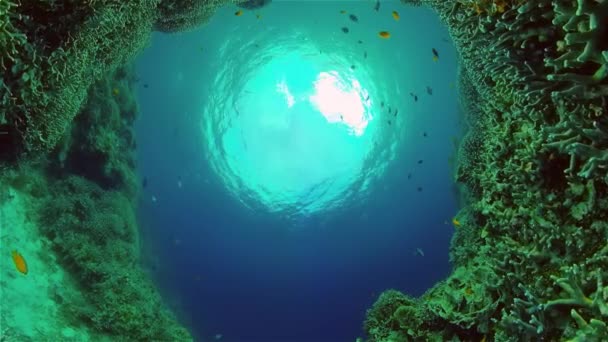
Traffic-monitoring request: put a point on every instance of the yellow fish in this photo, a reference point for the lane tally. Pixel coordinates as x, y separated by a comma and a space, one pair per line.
19, 261
258, 16
395, 15
238, 13
115, 91
455, 222
342, 12
384, 34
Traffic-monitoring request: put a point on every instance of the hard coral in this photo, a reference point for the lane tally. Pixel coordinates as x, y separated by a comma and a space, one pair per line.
536, 159
178, 15
94, 233
45, 77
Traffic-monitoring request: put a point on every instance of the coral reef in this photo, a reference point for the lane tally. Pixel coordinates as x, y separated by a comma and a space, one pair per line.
51, 52
182, 15
100, 143
94, 233
66, 111
533, 165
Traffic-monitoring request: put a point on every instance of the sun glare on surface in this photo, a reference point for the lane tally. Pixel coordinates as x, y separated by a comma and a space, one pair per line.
296, 136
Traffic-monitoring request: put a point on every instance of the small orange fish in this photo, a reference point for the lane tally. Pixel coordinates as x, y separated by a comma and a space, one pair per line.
395, 15
115, 91
384, 34
455, 222
19, 261
238, 13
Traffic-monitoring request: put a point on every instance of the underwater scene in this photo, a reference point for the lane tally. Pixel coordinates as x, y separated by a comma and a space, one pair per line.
304, 171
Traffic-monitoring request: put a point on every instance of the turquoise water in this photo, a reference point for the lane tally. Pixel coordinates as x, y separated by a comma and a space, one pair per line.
296, 117
293, 127
277, 189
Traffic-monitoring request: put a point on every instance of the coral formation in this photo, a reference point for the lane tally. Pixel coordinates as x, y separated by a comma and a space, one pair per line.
95, 234
100, 142
66, 111
51, 52
182, 15
533, 165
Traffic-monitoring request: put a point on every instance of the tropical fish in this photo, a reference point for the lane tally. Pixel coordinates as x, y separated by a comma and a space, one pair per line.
364, 54
395, 15
424, 134
384, 34
377, 6
19, 261
238, 13
395, 112
115, 91
258, 16
435, 55
342, 12
420, 161
419, 189
352, 67
345, 29
360, 41
353, 18
455, 222
429, 90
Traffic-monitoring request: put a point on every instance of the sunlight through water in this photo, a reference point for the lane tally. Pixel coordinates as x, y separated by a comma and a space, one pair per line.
291, 128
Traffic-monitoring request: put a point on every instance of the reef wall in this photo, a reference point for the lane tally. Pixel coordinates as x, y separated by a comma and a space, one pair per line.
531, 253
68, 189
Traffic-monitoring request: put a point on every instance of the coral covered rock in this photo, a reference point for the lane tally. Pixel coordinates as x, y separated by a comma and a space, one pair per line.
533, 85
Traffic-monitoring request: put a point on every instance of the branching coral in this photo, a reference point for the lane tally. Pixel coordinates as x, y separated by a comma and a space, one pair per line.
536, 158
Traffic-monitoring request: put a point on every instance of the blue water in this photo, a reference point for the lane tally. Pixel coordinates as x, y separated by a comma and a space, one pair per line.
299, 251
